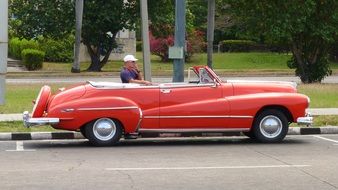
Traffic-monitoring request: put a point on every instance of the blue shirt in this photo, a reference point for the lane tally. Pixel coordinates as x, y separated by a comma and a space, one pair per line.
127, 74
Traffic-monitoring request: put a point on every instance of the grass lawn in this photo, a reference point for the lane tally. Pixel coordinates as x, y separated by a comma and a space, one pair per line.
19, 96
226, 64
17, 126
239, 62
321, 95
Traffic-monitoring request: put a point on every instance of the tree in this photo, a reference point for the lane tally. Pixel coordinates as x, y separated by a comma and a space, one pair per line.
48, 18
102, 20
309, 27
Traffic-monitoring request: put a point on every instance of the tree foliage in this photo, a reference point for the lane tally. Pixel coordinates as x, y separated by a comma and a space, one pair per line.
32, 18
102, 20
162, 16
308, 26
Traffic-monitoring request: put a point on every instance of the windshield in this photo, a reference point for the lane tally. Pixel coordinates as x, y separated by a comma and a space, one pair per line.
202, 75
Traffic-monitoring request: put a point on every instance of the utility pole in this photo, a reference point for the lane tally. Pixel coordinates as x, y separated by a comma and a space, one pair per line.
145, 40
3, 47
178, 75
78, 26
210, 31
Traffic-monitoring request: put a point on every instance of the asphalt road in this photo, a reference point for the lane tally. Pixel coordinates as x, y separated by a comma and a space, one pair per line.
48, 80
300, 162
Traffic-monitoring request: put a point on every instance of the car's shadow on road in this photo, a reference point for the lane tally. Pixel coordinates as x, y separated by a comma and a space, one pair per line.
167, 142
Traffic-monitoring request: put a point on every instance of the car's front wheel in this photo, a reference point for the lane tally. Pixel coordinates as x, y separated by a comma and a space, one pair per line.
270, 126
103, 132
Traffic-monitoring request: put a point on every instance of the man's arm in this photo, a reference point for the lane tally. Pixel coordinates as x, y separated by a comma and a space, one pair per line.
139, 81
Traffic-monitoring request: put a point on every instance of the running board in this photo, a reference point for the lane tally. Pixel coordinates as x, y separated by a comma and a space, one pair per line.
196, 130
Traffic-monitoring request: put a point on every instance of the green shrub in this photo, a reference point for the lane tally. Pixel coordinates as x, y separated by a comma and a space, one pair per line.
138, 45
238, 45
16, 46
58, 50
32, 58
29, 44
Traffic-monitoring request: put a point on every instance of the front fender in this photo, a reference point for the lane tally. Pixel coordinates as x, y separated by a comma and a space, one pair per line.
74, 114
250, 104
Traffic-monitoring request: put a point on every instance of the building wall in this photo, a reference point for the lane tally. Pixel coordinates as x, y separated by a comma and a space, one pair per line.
126, 45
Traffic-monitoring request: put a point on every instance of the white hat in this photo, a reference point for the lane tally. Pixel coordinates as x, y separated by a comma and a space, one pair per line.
129, 58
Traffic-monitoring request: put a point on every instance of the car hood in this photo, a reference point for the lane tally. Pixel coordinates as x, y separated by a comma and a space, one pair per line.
253, 87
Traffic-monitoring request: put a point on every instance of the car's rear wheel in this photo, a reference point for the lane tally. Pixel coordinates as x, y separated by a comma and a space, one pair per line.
270, 126
103, 132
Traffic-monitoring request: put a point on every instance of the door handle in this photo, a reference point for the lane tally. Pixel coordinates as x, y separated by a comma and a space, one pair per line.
165, 91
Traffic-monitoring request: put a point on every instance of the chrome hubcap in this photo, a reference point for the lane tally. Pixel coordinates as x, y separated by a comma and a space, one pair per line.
104, 129
271, 126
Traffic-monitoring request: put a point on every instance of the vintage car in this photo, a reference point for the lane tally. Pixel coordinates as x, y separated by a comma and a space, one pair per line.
105, 111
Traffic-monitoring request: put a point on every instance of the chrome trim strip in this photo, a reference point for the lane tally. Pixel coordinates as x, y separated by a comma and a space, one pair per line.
67, 110
199, 116
183, 85
66, 118
110, 108
115, 85
193, 130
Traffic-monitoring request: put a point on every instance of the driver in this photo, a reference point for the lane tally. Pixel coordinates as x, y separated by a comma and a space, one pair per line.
130, 72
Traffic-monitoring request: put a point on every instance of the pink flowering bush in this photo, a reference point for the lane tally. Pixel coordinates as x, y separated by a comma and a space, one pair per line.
160, 45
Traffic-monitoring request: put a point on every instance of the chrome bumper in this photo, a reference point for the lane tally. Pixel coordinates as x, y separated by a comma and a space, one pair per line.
29, 122
307, 120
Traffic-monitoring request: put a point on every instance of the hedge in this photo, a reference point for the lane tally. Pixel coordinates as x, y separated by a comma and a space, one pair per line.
16, 46
58, 50
237, 45
32, 58
55, 50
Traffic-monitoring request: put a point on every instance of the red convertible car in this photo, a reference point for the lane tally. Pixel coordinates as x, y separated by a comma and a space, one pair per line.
105, 111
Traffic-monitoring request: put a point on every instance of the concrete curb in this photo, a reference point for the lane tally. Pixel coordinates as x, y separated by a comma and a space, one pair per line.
77, 135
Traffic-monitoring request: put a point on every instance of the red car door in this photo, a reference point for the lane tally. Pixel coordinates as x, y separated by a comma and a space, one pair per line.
193, 106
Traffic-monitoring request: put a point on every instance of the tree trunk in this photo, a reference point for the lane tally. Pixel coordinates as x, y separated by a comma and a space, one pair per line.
297, 53
95, 58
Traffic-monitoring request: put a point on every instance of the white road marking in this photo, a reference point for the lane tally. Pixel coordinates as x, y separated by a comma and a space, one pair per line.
208, 168
327, 139
19, 147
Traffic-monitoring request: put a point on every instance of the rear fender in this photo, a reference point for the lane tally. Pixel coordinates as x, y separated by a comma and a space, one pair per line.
76, 113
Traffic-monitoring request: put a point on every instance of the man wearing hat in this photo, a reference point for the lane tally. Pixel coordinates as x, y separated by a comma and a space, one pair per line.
130, 72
